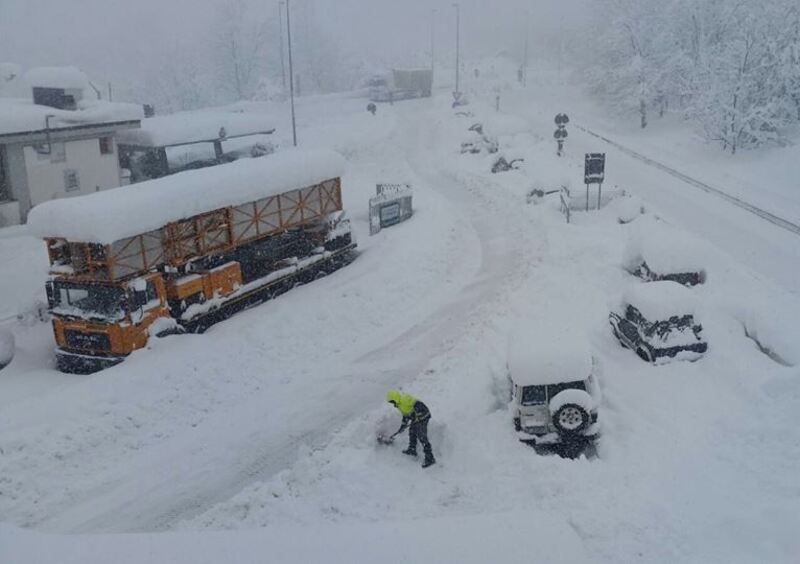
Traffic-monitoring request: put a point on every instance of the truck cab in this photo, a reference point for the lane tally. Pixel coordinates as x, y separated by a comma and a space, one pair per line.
97, 324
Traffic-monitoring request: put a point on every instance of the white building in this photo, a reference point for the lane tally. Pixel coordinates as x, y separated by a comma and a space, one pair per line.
56, 142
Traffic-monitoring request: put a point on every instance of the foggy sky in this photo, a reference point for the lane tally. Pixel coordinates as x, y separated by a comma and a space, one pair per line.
114, 38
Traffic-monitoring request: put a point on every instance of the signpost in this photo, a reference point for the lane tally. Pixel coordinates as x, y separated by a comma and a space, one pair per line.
560, 134
391, 205
594, 173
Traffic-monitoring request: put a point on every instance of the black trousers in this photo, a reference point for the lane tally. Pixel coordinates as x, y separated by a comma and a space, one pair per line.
419, 431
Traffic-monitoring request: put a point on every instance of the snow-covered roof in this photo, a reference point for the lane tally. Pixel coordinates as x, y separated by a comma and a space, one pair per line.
70, 78
539, 355
665, 249
19, 115
105, 217
189, 127
659, 301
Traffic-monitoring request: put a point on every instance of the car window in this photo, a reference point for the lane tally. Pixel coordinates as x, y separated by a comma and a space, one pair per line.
532, 395
554, 389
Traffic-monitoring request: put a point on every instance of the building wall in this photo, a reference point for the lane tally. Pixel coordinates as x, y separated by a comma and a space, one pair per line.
95, 171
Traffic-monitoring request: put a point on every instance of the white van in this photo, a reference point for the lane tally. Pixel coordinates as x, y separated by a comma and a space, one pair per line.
554, 391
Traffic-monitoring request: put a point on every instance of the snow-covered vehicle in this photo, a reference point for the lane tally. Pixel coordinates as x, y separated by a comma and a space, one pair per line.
400, 84
554, 391
657, 321
183, 252
656, 251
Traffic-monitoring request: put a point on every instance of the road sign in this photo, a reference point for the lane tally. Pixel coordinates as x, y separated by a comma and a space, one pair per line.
560, 133
391, 205
594, 168
562, 119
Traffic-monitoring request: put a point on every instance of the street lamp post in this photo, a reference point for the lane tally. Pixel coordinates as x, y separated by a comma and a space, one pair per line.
525, 64
433, 39
280, 35
291, 71
458, 38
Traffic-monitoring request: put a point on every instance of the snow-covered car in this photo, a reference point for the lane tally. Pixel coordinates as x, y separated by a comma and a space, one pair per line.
657, 321
554, 391
657, 251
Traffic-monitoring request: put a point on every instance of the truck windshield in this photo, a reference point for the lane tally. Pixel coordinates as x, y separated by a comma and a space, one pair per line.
88, 300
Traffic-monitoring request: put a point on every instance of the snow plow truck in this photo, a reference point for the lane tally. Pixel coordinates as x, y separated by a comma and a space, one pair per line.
180, 253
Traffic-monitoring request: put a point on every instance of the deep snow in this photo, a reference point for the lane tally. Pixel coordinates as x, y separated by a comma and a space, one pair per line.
269, 419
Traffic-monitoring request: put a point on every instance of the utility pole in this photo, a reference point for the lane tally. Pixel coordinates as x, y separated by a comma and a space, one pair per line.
280, 34
525, 63
291, 71
458, 39
433, 39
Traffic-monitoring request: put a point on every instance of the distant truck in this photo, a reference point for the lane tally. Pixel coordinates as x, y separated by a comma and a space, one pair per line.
401, 84
180, 253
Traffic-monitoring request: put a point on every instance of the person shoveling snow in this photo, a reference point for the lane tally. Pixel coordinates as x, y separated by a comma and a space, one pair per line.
415, 416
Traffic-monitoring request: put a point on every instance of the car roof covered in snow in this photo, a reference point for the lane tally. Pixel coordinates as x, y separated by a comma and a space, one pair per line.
658, 301
666, 249
111, 215
539, 355
191, 127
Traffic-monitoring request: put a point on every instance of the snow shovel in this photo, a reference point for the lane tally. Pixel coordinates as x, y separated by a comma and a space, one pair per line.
386, 439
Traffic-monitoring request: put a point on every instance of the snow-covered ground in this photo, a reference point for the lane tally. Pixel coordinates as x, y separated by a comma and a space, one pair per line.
266, 424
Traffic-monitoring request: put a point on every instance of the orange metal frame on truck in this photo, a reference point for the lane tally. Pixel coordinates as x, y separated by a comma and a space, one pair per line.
212, 232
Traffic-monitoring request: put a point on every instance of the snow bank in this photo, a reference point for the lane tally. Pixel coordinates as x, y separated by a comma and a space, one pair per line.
6, 347
538, 356
477, 539
665, 249
186, 127
105, 217
661, 300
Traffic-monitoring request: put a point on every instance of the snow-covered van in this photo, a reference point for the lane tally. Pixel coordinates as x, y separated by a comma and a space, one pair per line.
657, 321
554, 390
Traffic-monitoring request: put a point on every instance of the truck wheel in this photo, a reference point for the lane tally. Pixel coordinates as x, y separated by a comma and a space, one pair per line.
570, 419
517, 424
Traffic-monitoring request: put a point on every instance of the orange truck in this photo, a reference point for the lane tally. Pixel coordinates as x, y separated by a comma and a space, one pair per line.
180, 253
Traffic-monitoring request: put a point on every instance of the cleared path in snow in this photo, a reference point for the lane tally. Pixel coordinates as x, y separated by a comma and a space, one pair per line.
218, 459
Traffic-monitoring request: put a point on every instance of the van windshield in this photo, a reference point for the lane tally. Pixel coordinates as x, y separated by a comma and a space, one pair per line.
534, 395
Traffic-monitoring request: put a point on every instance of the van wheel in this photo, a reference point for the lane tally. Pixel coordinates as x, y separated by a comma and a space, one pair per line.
517, 424
570, 419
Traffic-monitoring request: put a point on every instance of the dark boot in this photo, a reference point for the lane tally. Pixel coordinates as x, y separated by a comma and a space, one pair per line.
410, 451
429, 461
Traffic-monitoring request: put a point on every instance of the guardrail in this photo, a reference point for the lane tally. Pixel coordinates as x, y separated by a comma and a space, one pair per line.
762, 213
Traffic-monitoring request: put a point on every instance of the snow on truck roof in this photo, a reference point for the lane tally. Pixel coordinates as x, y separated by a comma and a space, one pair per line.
190, 127
658, 301
111, 215
539, 356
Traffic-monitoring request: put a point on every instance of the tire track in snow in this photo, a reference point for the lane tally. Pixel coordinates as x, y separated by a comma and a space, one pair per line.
755, 210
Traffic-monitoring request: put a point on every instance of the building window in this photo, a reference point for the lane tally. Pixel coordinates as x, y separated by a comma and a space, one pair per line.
71, 181
54, 152
106, 146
